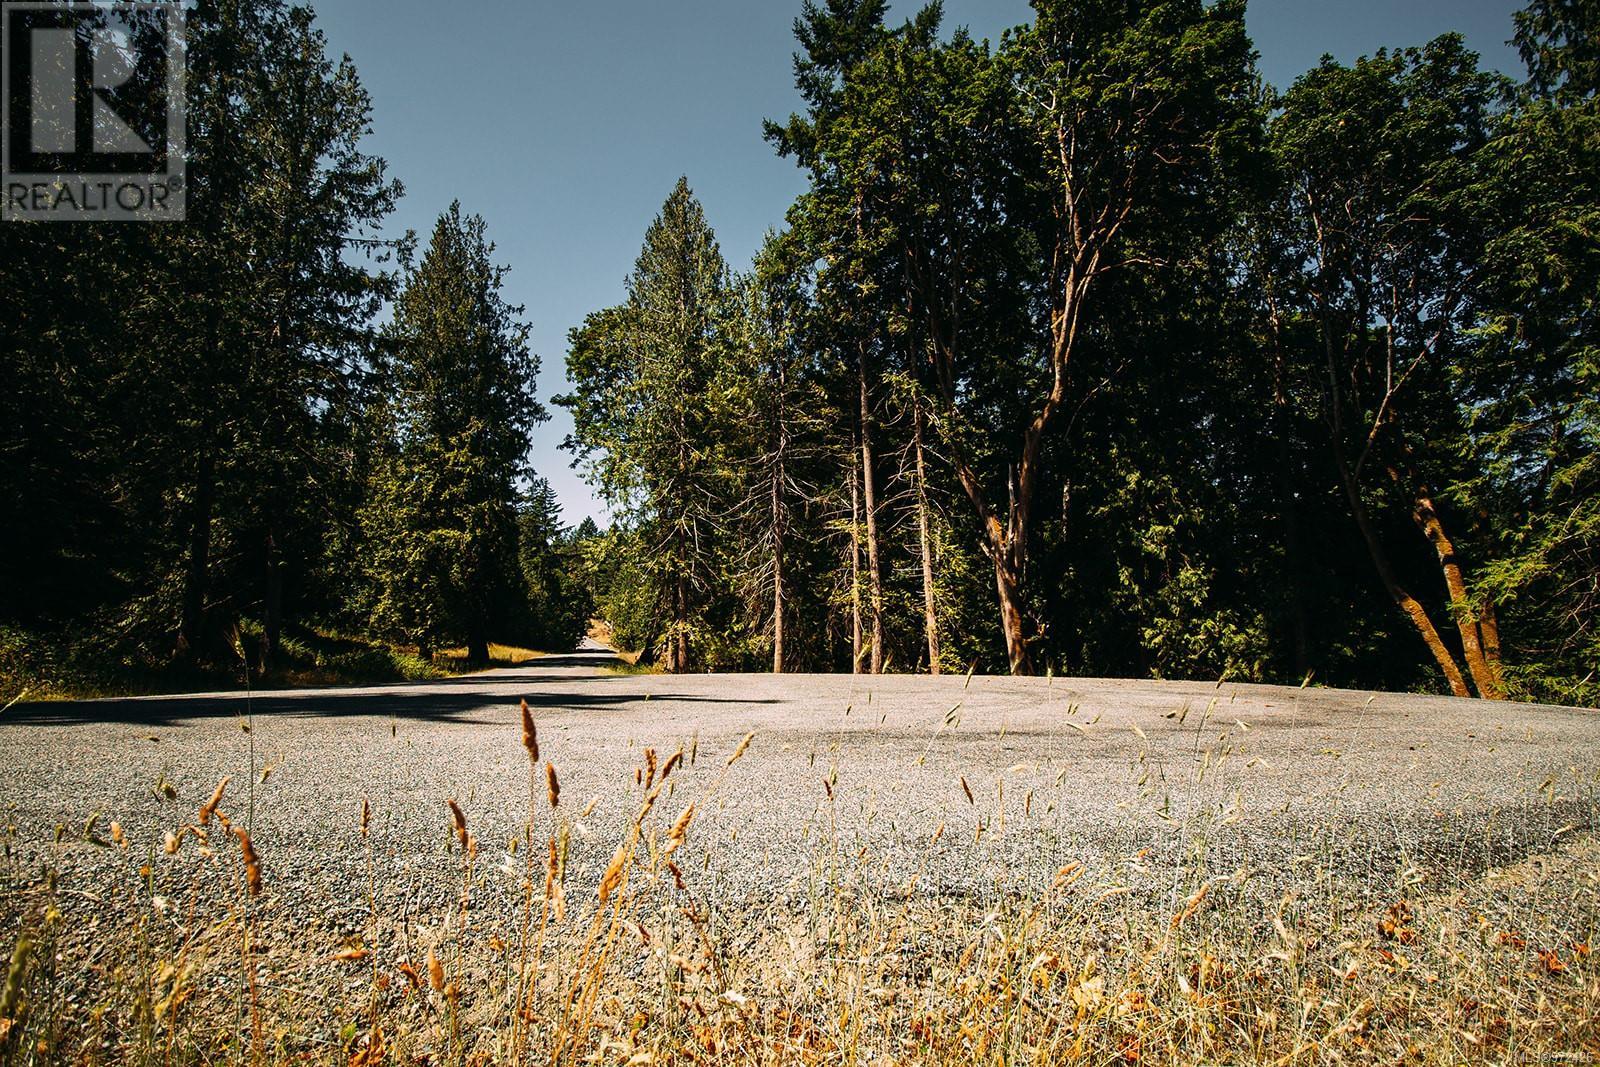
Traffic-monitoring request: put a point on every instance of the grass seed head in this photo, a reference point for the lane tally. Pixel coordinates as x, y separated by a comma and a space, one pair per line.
209, 808
460, 820
252, 862
613, 876
11, 998
677, 877
679, 831
530, 734
744, 744
552, 784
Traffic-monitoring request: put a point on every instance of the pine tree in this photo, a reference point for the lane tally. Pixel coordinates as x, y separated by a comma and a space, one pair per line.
442, 517
652, 388
559, 600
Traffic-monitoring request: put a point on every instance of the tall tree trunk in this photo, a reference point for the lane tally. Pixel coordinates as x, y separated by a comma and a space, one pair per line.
777, 570
1489, 627
1425, 513
1008, 585
680, 629
870, 501
1007, 544
191, 628
855, 563
780, 517
1408, 604
930, 611
678, 651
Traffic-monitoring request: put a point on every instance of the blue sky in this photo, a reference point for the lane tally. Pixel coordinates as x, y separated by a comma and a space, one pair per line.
566, 124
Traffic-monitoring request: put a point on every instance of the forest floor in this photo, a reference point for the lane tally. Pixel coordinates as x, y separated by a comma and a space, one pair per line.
838, 869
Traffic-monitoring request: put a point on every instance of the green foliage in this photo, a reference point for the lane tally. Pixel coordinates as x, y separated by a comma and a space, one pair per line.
1533, 387
560, 600
181, 405
625, 595
79, 664
1560, 42
1215, 379
653, 405
458, 405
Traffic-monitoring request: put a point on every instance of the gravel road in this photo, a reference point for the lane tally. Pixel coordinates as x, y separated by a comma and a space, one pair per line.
1132, 778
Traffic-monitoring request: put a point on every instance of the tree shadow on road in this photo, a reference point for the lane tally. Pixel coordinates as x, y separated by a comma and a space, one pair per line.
418, 703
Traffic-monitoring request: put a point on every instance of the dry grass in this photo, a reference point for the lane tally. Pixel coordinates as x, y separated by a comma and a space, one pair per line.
499, 656
38, 667
642, 962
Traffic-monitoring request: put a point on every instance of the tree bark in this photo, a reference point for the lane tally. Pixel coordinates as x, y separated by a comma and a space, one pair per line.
1426, 515
870, 503
930, 611
1489, 627
680, 629
1009, 588
1407, 603
777, 571
855, 563
1076, 263
780, 517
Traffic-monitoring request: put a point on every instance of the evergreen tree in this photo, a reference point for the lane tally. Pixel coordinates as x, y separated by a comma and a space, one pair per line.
650, 404
442, 514
185, 400
1531, 388
559, 600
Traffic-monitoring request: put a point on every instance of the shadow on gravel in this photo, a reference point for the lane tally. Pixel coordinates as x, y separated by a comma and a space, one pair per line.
401, 703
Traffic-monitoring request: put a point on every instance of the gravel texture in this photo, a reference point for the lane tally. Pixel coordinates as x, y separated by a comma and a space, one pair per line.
1140, 781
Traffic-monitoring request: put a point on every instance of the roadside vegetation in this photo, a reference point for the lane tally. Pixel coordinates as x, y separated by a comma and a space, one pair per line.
601, 931
1086, 352
35, 670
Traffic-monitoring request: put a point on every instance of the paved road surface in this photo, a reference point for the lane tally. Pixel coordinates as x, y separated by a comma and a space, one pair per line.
1282, 780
